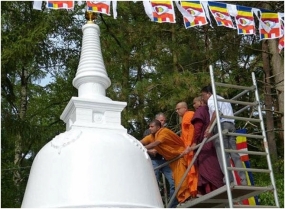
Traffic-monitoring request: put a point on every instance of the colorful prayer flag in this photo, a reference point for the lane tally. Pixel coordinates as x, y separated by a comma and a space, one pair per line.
281, 40
272, 20
245, 20
221, 14
281, 43
195, 9
241, 144
163, 11
99, 7
60, 4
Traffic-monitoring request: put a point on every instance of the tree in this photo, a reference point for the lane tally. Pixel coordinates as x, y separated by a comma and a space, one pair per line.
152, 67
29, 51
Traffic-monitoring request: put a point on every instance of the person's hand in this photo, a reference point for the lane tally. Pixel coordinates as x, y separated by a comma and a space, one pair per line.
207, 134
187, 150
152, 152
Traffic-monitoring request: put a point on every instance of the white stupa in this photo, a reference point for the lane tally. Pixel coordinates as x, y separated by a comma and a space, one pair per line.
94, 163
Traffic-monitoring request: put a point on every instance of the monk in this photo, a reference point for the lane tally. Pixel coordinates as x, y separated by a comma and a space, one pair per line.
169, 145
210, 174
187, 134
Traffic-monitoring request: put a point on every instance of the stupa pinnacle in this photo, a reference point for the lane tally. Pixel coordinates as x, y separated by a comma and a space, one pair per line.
91, 78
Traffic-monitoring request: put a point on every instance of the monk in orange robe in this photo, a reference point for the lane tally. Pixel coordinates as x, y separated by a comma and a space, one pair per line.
187, 136
169, 145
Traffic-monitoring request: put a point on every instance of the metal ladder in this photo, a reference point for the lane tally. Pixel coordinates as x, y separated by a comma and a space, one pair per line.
247, 105
231, 195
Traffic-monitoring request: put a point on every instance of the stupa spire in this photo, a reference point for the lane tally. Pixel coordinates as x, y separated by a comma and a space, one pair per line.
92, 108
91, 78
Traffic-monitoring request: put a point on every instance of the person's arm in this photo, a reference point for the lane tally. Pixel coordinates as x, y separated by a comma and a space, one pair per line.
198, 129
207, 134
146, 140
152, 152
188, 149
152, 145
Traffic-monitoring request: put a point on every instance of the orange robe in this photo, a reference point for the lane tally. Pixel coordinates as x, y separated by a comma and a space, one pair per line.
147, 139
187, 128
187, 136
170, 147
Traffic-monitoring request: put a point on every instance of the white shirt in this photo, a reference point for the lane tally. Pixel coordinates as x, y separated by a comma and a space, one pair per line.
225, 108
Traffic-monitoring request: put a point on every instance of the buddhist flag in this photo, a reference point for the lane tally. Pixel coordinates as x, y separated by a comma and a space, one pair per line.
221, 14
195, 9
281, 44
60, 4
241, 143
99, 7
281, 40
272, 21
163, 11
245, 20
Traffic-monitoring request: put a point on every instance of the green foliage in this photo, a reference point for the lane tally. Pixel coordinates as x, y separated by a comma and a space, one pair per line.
152, 67
33, 45
267, 198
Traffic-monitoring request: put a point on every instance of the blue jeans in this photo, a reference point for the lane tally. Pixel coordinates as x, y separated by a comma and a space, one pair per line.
168, 175
229, 143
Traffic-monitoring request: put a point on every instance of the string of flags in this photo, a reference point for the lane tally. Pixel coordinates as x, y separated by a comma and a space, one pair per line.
196, 13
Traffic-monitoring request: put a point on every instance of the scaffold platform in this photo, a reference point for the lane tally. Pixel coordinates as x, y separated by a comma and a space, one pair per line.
219, 197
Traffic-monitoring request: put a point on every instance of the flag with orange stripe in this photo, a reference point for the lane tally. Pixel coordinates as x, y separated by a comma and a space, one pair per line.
281, 40
281, 43
221, 14
102, 7
195, 9
60, 4
241, 144
163, 11
272, 21
245, 20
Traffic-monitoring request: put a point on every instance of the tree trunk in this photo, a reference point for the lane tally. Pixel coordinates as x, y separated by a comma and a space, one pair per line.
277, 63
268, 100
174, 53
18, 142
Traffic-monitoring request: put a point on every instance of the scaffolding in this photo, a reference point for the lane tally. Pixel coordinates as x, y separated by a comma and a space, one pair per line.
232, 195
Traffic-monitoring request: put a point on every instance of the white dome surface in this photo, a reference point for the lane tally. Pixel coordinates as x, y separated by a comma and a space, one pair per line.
88, 168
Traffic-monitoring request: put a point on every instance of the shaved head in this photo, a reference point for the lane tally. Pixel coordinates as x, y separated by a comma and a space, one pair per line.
181, 108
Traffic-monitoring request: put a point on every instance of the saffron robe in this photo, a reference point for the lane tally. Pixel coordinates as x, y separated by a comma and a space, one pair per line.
148, 140
187, 135
170, 147
187, 128
207, 161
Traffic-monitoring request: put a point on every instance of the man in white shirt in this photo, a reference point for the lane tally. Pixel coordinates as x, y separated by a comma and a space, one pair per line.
229, 141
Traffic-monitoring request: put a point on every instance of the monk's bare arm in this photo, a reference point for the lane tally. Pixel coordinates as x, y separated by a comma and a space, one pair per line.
152, 145
152, 152
145, 141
